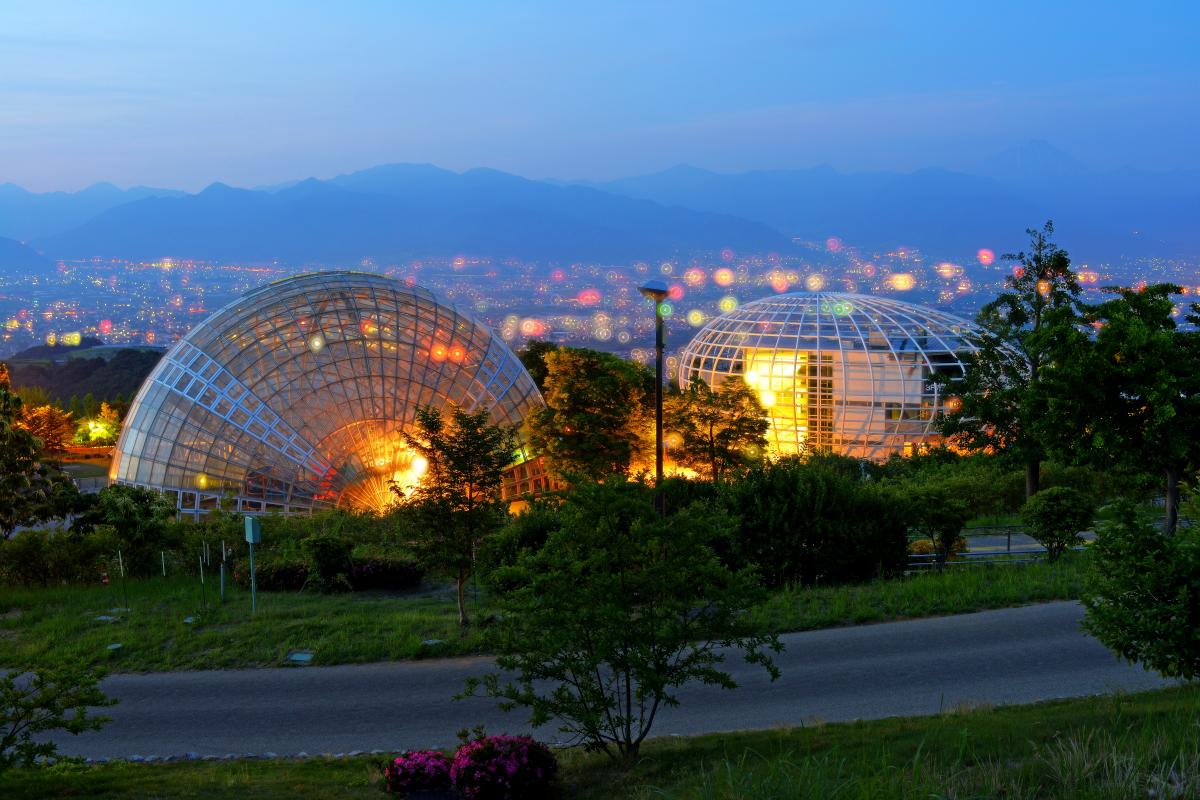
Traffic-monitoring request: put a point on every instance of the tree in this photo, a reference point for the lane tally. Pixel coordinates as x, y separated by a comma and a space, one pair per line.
37, 702
533, 357
1134, 394
31, 490
598, 420
938, 511
720, 431
458, 499
1142, 592
101, 429
1055, 516
1003, 400
51, 426
617, 610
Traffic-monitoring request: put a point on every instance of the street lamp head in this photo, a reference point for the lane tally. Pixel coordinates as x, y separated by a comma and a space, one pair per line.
655, 289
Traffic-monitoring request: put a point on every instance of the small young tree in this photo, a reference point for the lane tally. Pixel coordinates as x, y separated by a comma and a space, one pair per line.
938, 512
720, 431
1142, 593
36, 702
458, 499
617, 610
1055, 516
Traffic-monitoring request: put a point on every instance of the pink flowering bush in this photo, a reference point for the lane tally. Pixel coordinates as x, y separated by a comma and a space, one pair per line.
418, 771
503, 768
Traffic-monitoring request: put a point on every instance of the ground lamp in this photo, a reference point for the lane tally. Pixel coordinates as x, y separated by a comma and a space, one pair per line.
657, 291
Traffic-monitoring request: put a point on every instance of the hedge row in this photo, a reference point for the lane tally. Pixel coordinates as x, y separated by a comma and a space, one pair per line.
366, 573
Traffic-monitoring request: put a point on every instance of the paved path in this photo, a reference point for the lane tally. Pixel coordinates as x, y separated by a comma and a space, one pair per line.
1016, 655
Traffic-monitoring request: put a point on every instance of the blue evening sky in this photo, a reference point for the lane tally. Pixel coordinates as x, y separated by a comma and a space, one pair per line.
184, 93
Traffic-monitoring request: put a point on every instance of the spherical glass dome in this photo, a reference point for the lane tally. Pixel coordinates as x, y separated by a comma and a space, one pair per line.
293, 398
844, 372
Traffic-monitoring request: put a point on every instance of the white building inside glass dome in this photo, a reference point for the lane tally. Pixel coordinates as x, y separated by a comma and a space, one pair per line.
845, 372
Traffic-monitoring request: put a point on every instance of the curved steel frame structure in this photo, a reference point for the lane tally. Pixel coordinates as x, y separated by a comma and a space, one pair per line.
293, 398
844, 372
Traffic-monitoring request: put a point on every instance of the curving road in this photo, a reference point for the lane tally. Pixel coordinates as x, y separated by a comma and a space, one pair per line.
1018, 655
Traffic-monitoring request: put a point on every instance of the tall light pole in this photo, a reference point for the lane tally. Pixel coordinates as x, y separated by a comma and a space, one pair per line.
657, 291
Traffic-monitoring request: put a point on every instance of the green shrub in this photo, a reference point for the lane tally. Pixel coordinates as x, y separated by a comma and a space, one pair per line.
271, 575
24, 559
380, 572
141, 521
366, 572
807, 523
1055, 516
1142, 593
328, 559
44, 558
525, 533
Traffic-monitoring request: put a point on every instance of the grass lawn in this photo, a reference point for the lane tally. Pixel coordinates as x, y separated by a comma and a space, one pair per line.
1095, 748
958, 590
85, 469
59, 625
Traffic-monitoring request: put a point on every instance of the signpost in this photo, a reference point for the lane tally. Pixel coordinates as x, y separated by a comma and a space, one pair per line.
253, 537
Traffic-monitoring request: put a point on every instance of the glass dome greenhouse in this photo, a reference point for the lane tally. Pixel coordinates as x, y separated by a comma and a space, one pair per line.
845, 372
293, 398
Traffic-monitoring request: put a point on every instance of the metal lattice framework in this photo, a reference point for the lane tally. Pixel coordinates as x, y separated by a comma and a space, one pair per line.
293, 398
844, 372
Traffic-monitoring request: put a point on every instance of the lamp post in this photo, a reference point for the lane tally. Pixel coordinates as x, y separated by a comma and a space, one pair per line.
657, 291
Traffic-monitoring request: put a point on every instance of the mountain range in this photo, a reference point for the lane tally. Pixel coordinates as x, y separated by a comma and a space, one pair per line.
400, 211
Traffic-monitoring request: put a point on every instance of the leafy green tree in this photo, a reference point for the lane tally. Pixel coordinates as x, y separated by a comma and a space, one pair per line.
1003, 400
598, 419
36, 702
720, 432
458, 499
1142, 592
1134, 394
31, 489
617, 611
1055, 516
